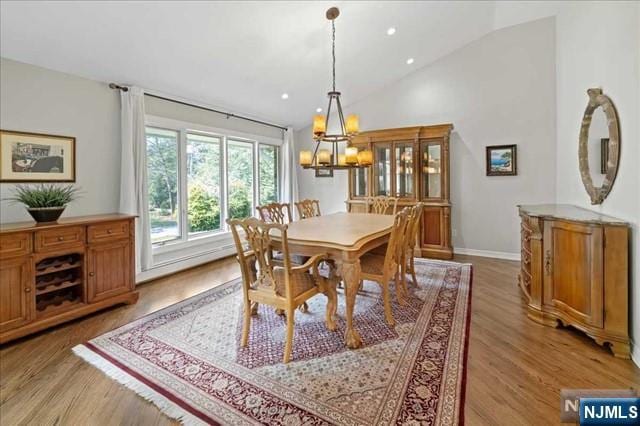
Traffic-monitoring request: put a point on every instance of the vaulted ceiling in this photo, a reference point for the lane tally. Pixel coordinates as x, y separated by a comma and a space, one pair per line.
241, 56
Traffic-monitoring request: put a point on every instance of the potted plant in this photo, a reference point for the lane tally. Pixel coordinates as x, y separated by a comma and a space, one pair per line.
45, 202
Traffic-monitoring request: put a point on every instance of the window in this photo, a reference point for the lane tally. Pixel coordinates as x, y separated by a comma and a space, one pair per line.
240, 179
198, 178
162, 178
203, 183
268, 158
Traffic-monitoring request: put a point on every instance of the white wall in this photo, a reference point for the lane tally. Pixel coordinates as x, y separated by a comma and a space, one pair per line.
599, 46
497, 90
34, 99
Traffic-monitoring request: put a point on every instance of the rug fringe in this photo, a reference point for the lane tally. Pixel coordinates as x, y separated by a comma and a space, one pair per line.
167, 407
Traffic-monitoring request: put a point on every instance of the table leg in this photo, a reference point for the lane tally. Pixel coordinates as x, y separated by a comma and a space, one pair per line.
350, 272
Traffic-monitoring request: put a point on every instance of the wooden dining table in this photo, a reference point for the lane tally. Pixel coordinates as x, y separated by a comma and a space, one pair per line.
343, 237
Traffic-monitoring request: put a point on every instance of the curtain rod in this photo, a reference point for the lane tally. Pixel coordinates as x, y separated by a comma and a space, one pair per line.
227, 114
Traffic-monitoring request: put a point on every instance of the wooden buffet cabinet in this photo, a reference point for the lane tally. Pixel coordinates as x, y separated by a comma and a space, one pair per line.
574, 271
55, 272
412, 164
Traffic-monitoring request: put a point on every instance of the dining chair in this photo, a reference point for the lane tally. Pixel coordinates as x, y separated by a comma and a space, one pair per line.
275, 213
308, 208
382, 268
281, 213
282, 287
407, 265
380, 204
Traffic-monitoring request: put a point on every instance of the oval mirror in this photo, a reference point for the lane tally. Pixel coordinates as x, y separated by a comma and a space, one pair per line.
599, 146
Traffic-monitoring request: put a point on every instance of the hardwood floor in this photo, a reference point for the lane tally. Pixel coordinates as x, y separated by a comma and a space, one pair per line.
516, 367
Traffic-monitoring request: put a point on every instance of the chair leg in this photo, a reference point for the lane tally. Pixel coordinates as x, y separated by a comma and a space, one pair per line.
400, 290
413, 272
246, 326
388, 313
403, 282
254, 308
289, 342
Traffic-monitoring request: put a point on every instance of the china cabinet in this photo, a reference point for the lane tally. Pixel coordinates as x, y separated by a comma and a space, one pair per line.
412, 164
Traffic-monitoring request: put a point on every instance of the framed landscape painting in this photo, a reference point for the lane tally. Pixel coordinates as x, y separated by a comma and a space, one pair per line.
34, 157
502, 160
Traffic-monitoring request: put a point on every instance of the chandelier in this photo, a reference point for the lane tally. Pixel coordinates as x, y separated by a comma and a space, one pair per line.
325, 158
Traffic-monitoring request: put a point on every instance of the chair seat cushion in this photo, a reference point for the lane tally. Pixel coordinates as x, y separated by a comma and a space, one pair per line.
371, 263
299, 281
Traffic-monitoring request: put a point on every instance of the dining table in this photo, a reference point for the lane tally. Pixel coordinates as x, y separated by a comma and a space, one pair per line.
343, 238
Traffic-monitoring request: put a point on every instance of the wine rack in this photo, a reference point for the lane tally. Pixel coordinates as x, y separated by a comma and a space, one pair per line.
59, 283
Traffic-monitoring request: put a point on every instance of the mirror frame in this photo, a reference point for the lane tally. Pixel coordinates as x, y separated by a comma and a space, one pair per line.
596, 100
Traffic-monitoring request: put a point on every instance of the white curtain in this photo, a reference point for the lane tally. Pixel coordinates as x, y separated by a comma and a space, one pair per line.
289, 184
133, 172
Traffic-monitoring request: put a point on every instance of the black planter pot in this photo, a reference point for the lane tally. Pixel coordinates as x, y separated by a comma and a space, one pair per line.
46, 214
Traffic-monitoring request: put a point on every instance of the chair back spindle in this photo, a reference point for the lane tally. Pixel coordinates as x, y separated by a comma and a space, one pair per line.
381, 204
275, 213
308, 208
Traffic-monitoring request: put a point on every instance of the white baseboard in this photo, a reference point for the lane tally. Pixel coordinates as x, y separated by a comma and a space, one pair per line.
180, 264
487, 253
635, 354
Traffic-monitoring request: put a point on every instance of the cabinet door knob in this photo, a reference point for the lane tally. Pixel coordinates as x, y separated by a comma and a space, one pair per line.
109, 231
27, 290
60, 238
91, 274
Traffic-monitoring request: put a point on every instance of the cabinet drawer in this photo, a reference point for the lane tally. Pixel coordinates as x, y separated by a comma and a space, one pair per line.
17, 244
110, 231
59, 238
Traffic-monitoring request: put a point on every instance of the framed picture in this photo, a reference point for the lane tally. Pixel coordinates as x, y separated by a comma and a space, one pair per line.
604, 155
35, 157
324, 172
502, 160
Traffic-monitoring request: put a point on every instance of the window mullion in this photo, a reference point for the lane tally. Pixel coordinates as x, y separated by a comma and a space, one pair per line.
223, 183
183, 196
256, 177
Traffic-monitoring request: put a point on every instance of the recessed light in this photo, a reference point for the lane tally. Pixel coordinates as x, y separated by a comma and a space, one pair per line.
318, 109
285, 96
409, 61
391, 31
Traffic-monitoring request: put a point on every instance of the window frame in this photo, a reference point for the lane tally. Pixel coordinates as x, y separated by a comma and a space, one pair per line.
189, 236
278, 170
179, 195
183, 128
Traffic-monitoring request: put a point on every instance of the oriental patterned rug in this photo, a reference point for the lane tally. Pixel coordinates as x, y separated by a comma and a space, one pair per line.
186, 358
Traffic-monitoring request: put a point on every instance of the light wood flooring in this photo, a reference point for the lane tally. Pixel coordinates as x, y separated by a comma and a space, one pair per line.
516, 367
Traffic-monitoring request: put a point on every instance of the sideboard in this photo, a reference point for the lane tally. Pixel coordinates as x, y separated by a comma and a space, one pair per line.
51, 273
574, 271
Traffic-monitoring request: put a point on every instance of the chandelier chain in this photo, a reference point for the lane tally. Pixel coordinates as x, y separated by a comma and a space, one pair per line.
333, 51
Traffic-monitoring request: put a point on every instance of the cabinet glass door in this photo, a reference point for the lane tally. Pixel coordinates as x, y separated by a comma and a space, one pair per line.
431, 158
382, 170
359, 178
404, 170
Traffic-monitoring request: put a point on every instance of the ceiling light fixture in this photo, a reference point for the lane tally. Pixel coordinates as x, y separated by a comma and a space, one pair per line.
391, 31
318, 109
285, 96
331, 159
409, 61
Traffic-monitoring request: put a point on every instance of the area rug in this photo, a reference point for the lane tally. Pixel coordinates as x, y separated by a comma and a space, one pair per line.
186, 358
